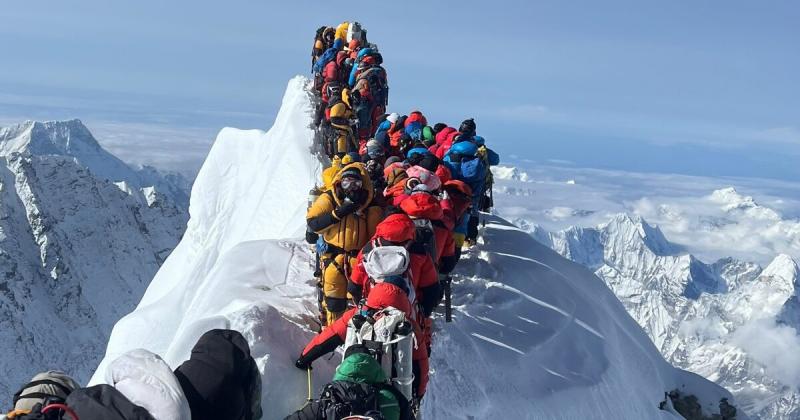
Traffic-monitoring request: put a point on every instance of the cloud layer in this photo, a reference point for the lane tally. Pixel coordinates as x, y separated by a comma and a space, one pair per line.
750, 219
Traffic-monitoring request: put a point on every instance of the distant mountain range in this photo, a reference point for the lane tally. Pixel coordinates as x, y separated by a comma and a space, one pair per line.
711, 319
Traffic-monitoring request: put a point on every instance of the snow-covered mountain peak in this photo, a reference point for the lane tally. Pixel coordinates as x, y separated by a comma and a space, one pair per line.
731, 200
782, 270
510, 173
68, 137
72, 139
626, 230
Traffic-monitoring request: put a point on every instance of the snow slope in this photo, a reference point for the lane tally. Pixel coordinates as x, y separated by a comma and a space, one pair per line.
535, 335
76, 251
731, 321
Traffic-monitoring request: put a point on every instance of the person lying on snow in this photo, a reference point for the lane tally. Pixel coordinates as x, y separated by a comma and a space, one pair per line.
220, 381
345, 217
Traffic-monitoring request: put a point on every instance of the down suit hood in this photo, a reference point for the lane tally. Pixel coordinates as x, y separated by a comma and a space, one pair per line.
147, 381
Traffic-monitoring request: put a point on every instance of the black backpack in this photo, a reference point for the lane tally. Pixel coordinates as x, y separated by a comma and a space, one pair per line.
318, 37
343, 398
375, 56
378, 85
425, 239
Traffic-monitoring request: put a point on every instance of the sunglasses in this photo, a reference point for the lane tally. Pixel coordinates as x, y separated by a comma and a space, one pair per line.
351, 184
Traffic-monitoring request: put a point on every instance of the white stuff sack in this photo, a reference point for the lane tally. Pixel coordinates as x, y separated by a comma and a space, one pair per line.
386, 261
397, 345
354, 32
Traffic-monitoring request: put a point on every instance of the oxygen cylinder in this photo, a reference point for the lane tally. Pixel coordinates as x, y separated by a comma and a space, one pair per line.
402, 350
313, 194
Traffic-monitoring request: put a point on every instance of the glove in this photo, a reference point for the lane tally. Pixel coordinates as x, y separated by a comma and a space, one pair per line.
481, 152
347, 207
302, 364
311, 237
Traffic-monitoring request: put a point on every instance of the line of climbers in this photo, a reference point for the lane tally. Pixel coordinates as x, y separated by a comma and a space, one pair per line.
394, 209
220, 381
351, 85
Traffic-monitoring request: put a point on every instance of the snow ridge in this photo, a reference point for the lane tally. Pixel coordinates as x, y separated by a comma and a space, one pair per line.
535, 336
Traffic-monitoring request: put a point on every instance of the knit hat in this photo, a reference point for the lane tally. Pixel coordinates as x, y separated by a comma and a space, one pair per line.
394, 174
390, 160
468, 127
350, 158
392, 118
426, 177
439, 127
429, 162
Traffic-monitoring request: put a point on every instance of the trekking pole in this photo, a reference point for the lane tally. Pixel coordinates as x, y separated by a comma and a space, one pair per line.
309, 399
448, 300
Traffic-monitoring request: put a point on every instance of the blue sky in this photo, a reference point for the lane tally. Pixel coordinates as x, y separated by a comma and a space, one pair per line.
703, 88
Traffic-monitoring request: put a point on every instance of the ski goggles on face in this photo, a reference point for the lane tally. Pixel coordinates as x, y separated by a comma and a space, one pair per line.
351, 184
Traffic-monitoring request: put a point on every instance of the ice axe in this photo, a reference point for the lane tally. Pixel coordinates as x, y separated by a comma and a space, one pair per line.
448, 300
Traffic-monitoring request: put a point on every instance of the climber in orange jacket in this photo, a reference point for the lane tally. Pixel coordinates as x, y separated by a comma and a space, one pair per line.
345, 217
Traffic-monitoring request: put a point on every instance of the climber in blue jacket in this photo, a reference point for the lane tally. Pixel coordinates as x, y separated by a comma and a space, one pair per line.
327, 56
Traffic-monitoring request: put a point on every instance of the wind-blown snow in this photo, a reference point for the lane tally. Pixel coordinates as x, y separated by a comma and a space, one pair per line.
534, 336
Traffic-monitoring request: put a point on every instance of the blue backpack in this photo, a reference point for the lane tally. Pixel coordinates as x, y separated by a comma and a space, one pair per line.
414, 130
327, 56
472, 170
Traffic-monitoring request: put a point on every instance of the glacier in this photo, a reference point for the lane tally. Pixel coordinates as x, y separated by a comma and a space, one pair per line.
535, 335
